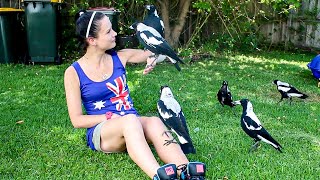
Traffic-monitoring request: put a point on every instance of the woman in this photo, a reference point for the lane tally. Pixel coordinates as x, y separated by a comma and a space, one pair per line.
98, 81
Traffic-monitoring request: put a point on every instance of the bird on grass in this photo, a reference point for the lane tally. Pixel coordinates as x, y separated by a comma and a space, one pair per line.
314, 66
288, 91
154, 42
253, 127
224, 95
171, 114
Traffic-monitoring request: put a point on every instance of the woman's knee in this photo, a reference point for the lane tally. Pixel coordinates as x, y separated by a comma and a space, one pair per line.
131, 122
156, 122
153, 123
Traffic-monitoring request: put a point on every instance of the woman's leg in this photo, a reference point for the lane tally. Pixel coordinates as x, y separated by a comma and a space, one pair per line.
153, 130
126, 132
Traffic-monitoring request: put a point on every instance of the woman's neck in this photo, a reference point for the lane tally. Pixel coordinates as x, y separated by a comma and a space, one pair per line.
94, 57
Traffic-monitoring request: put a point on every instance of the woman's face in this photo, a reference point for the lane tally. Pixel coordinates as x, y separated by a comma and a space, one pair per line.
106, 37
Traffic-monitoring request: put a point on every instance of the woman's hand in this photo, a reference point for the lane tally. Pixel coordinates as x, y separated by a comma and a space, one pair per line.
114, 115
151, 63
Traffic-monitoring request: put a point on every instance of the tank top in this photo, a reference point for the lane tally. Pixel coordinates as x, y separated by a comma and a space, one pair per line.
111, 94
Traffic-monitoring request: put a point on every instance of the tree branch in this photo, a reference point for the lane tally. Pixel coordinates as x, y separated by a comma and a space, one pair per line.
165, 17
177, 29
222, 20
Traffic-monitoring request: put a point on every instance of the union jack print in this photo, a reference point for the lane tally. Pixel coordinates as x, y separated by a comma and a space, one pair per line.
121, 93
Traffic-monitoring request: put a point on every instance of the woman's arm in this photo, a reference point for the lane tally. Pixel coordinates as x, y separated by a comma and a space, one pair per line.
133, 55
137, 56
73, 97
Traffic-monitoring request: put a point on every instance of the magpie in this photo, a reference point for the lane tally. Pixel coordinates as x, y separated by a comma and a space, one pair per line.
253, 127
171, 114
288, 91
82, 11
153, 19
154, 42
224, 95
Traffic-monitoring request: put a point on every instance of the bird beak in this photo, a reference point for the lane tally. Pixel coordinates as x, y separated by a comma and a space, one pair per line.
236, 103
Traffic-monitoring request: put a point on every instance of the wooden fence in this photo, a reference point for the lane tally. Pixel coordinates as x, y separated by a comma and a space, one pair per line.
301, 29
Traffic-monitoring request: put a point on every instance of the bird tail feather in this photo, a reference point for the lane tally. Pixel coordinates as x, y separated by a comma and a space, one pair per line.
266, 137
188, 148
304, 96
177, 66
278, 148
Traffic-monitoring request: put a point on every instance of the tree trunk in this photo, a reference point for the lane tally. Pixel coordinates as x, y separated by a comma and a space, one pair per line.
173, 32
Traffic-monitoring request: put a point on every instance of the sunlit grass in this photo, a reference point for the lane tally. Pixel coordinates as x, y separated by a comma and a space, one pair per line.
46, 146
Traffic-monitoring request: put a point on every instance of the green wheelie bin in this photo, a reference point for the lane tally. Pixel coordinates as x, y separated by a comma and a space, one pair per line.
12, 42
42, 29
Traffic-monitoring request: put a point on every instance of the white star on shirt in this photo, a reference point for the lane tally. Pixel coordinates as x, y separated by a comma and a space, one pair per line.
99, 104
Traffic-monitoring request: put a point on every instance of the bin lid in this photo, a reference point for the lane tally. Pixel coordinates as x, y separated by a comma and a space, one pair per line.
10, 10
53, 1
104, 10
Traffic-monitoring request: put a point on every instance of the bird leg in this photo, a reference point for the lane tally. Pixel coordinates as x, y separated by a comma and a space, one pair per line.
254, 146
155, 58
290, 100
280, 99
167, 142
166, 133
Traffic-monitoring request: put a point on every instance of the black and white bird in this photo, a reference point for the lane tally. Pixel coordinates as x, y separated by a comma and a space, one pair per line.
171, 114
253, 127
288, 91
154, 42
153, 20
82, 11
224, 95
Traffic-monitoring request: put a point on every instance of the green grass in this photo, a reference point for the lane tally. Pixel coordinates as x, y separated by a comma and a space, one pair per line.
46, 146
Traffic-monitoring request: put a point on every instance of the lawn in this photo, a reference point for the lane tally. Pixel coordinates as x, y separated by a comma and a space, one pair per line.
39, 142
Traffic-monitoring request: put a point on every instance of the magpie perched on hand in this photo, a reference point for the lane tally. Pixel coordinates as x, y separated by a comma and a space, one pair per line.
171, 114
154, 42
153, 19
253, 127
224, 95
288, 91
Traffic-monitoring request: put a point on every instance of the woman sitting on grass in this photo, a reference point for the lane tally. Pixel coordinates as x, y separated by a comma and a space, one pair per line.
98, 81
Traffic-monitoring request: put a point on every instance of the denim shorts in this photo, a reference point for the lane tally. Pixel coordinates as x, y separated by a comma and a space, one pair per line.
93, 136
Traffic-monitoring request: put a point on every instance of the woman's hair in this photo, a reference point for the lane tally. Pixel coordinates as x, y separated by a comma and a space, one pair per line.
85, 28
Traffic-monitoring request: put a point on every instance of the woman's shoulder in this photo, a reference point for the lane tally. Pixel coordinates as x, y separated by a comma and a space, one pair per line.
124, 55
71, 71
